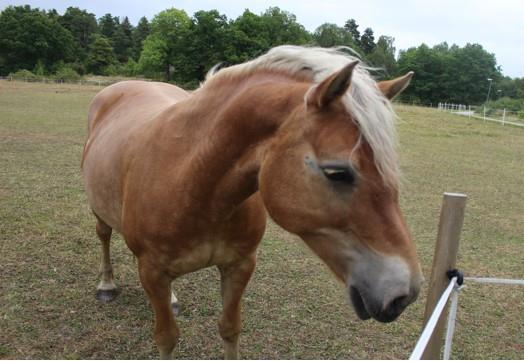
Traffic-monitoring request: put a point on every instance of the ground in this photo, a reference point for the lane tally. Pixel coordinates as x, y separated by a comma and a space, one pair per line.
294, 308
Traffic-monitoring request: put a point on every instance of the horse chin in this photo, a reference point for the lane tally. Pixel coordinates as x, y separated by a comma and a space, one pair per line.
358, 304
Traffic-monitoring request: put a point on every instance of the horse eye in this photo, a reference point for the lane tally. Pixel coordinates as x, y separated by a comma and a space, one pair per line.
339, 174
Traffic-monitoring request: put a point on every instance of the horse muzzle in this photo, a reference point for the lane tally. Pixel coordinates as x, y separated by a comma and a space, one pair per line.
367, 306
382, 288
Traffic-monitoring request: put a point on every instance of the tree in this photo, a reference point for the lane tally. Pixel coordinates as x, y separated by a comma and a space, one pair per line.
122, 40
451, 74
81, 24
253, 34
328, 35
101, 54
249, 36
282, 28
352, 28
108, 25
384, 55
139, 34
468, 69
208, 42
367, 41
430, 70
154, 57
166, 43
29, 36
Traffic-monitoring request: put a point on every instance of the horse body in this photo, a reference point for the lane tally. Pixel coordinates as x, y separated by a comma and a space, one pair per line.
187, 178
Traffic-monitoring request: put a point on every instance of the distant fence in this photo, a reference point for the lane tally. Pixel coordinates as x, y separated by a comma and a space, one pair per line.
96, 82
501, 116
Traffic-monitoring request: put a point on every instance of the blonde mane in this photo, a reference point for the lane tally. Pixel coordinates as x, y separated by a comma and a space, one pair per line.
367, 105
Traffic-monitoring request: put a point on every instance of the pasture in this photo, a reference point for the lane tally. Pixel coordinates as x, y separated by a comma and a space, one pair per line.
293, 307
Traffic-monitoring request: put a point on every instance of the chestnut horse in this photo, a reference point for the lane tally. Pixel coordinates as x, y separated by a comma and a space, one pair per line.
304, 134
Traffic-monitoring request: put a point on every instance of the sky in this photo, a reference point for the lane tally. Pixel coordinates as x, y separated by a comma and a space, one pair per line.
497, 25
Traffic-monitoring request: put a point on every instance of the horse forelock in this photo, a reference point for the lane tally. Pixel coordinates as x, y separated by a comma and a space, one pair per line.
371, 111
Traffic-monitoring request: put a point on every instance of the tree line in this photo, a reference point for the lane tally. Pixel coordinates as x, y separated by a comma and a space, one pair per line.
179, 48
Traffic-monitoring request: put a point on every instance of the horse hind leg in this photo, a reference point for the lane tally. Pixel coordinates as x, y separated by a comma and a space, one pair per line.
106, 290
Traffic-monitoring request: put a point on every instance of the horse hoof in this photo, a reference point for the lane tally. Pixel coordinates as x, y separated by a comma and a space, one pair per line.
176, 308
106, 295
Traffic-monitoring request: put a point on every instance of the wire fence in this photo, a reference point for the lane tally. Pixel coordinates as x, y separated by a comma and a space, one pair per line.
501, 116
96, 82
451, 292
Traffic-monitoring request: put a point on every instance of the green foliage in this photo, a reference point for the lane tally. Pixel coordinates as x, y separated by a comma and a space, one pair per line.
81, 24
23, 74
107, 25
66, 73
100, 55
39, 69
179, 48
282, 28
29, 36
139, 35
122, 41
352, 27
367, 41
328, 35
515, 105
154, 57
383, 56
451, 74
166, 46
207, 43
130, 68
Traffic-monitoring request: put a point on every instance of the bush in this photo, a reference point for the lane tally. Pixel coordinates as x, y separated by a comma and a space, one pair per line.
512, 104
113, 70
23, 74
66, 73
130, 68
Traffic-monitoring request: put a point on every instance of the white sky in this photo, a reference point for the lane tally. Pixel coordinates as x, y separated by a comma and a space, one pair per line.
497, 25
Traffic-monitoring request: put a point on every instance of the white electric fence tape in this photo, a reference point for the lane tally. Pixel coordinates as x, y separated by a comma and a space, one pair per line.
451, 322
503, 281
432, 322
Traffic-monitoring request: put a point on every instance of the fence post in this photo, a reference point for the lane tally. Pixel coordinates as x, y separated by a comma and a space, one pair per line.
504, 116
469, 111
444, 259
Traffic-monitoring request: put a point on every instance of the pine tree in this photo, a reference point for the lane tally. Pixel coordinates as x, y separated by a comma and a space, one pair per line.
140, 33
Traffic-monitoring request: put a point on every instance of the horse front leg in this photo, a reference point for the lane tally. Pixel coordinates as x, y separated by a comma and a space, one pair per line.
157, 285
233, 281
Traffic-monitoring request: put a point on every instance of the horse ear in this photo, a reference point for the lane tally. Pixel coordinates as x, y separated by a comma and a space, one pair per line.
331, 88
392, 88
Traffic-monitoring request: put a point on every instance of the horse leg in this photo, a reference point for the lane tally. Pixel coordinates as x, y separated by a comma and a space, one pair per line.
234, 279
106, 290
158, 288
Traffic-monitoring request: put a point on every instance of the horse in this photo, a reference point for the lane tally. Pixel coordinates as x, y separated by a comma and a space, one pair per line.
304, 135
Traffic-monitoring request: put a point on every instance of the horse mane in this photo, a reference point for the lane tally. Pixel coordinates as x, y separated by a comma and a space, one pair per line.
371, 111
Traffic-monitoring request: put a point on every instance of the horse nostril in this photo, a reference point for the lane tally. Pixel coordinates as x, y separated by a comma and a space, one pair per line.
398, 304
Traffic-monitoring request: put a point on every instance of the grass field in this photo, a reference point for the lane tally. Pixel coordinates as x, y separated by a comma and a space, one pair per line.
293, 307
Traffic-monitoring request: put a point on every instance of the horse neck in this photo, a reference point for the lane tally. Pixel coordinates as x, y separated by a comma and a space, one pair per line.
246, 118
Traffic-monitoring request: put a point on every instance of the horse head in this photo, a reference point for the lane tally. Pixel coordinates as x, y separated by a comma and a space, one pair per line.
331, 176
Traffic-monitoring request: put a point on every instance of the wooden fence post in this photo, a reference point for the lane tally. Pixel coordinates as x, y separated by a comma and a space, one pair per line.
444, 259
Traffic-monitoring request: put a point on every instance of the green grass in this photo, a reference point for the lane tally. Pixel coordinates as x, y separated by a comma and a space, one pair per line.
293, 306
